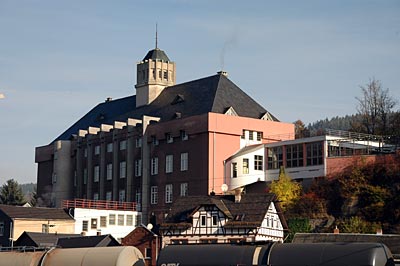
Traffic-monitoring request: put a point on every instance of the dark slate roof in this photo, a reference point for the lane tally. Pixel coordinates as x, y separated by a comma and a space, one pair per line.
391, 241
250, 211
40, 239
37, 213
156, 54
211, 94
88, 241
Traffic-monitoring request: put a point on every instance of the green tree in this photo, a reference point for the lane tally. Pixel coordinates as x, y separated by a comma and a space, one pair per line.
285, 189
11, 193
356, 224
297, 225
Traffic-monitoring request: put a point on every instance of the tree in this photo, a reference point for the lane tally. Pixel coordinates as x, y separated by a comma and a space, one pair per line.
375, 106
285, 189
11, 193
300, 129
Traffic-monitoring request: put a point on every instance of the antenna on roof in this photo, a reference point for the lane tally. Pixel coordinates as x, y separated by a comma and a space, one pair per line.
156, 36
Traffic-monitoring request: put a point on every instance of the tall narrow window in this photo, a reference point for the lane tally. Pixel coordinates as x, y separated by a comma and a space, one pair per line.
109, 171
122, 145
121, 195
184, 161
138, 199
234, 169
154, 140
122, 169
109, 147
1, 228
251, 135
138, 167
85, 226
129, 220
259, 136
184, 189
85, 176
111, 219
85, 153
103, 221
258, 162
169, 161
96, 173
108, 195
214, 219
97, 150
184, 135
154, 166
245, 166
203, 220
168, 193
138, 142
154, 195
243, 136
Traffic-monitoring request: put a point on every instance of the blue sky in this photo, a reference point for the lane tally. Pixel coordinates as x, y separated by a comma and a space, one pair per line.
299, 59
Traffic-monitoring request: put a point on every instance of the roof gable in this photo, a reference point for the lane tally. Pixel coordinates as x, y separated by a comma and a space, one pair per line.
36, 213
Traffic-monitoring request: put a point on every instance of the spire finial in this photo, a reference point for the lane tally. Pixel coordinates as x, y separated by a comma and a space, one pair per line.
156, 37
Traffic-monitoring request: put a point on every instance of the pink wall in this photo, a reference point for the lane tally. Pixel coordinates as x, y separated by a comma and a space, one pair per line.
224, 140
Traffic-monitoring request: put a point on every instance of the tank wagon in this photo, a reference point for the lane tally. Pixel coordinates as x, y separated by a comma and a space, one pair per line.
321, 254
100, 256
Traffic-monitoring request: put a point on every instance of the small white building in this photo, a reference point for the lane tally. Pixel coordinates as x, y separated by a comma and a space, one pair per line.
224, 219
95, 217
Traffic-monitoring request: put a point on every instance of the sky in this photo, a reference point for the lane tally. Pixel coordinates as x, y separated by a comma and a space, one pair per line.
299, 59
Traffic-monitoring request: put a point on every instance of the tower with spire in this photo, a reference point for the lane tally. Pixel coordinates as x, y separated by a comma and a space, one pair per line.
154, 73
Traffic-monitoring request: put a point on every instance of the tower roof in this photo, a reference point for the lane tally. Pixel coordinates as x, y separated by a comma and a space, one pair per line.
156, 54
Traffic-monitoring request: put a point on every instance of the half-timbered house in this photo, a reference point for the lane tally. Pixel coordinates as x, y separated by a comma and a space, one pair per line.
224, 219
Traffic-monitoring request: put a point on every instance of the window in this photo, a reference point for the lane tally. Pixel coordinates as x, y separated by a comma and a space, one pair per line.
251, 135
154, 166
75, 178
314, 153
184, 161
122, 145
85, 175
245, 166
85, 226
259, 136
109, 147
85, 152
154, 195
275, 158
108, 195
96, 174
184, 135
294, 155
97, 150
214, 219
111, 219
168, 193
243, 136
160, 74
138, 220
165, 74
169, 163
147, 253
234, 169
2, 228
121, 197
138, 167
129, 220
184, 189
93, 223
122, 169
258, 162
154, 140
121, 219
103, 221
109, 171
45, 228
203, 220
54, 178
95, 196
138, 142
138, 199
169, 138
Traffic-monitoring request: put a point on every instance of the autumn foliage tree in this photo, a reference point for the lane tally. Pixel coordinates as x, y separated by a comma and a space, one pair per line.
285, 189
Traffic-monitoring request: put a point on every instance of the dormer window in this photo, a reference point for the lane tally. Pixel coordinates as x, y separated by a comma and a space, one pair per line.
231, 112
184, 135
169, 138
154, 140
267, 116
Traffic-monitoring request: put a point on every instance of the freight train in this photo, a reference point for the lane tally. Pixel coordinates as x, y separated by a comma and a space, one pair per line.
270, 254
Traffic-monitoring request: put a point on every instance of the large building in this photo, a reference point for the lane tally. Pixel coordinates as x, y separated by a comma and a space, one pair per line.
167, 141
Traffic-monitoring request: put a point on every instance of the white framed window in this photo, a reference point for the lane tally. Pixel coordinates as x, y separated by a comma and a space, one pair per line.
169, 138
138, 167
184, 161
234, 170
168, 193
154, 166
184, 135
259, 135
184, 189
122, 169
203, 220
121, 197
95, 196
108, 195
96, 173
243, 136
138, 142
122, 145
245, 165
110, 147
97, 150
251, 135
85, 176
214, 219
121, 219
109, 171
169, 163
111, 219
154, 195
103, 221
129, 220
258, 162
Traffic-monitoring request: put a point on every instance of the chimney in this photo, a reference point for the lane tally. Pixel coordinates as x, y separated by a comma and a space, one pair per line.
336, 231
379, 231
238, 195
223, 73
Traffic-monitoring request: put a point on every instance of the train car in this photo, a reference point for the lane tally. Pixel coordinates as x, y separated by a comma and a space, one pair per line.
99, 256
321, 254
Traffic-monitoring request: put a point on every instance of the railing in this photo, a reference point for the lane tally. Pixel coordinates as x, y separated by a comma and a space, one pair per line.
99, 204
